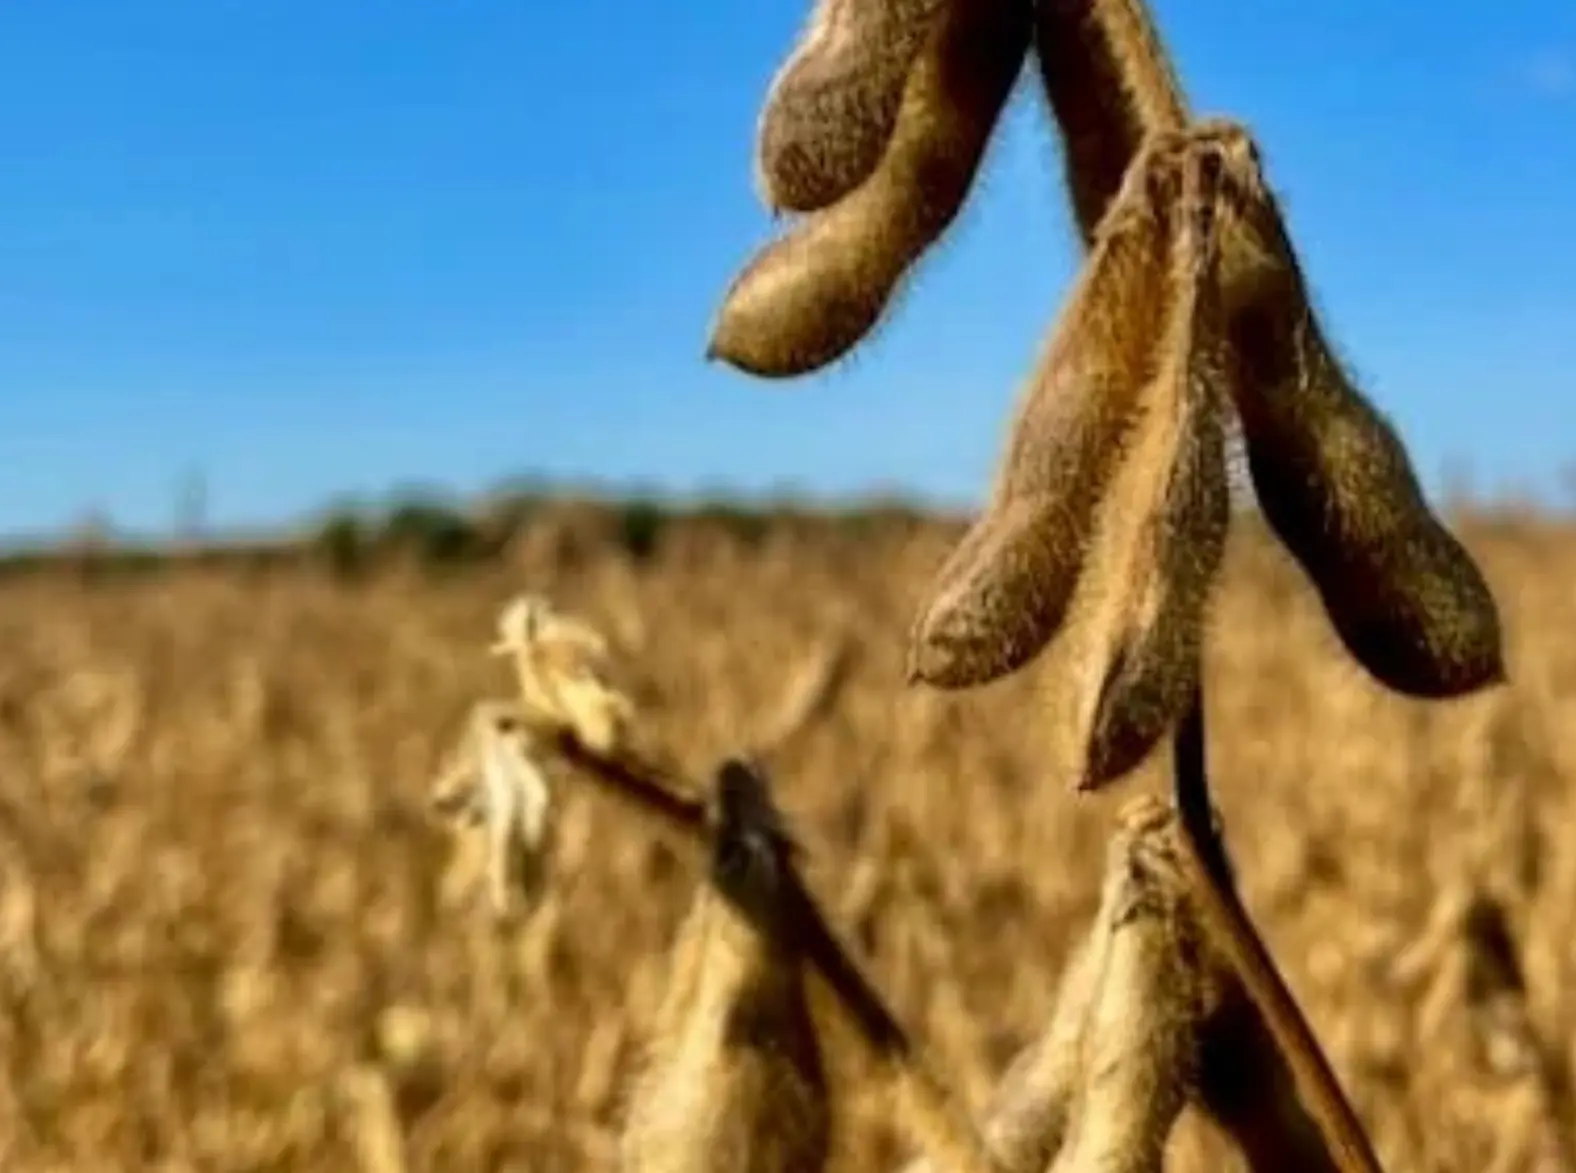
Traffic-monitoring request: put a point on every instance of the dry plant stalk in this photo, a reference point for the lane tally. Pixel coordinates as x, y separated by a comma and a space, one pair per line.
1250, 1080
831, 107
1332, 477
1147, 1020
1466, 972
1232, 932
1330, 473
374, 1126
1247, 1091
776, 902
808, 694
812, 295
1192, 297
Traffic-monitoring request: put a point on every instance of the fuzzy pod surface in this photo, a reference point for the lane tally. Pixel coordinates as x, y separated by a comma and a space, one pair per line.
1337, 487
810, 296
1166, 515
735, 1078
1004, 592
831, 108
1108, 82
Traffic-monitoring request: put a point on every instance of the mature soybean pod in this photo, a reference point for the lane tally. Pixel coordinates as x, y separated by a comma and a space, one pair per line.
1335, 484
772, 893
1030, 1112
734, 1078
1155, 671
830, 109
1167, 513
1108, 81
1140, 1058
1004, 591
810, 296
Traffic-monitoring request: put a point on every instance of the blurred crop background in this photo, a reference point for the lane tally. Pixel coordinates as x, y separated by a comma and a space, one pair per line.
231, 938
262, 257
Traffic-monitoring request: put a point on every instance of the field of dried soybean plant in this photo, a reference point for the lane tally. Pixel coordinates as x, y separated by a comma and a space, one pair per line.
232, 935
289, 883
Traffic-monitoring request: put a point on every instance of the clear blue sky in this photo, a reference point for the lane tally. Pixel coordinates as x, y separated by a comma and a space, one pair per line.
322, 247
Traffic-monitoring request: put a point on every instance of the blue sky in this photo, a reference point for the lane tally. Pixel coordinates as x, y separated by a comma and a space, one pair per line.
315, 248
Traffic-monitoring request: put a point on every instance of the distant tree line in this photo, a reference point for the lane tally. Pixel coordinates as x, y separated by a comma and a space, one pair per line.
432, 530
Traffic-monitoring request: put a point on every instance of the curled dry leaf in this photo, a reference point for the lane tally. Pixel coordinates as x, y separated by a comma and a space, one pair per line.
830, 110
1334, 480
735, 1078
496, 789
1005, 590
810, 296
560, 667
531, 619
1164, 520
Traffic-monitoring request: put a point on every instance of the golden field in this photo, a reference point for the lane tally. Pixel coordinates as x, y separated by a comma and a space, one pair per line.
228, 924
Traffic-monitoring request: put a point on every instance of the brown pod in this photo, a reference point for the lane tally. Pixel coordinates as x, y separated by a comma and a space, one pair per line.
830, 110
1155, 672
1004, 591
1031, 1109
1140, 1057
763, 882
1246, 1088
734, 1078
807, 298
1335, 484
1165, 518
1108, 81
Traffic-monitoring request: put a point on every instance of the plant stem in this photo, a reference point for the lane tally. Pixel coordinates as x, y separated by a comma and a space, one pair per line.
1209, 872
